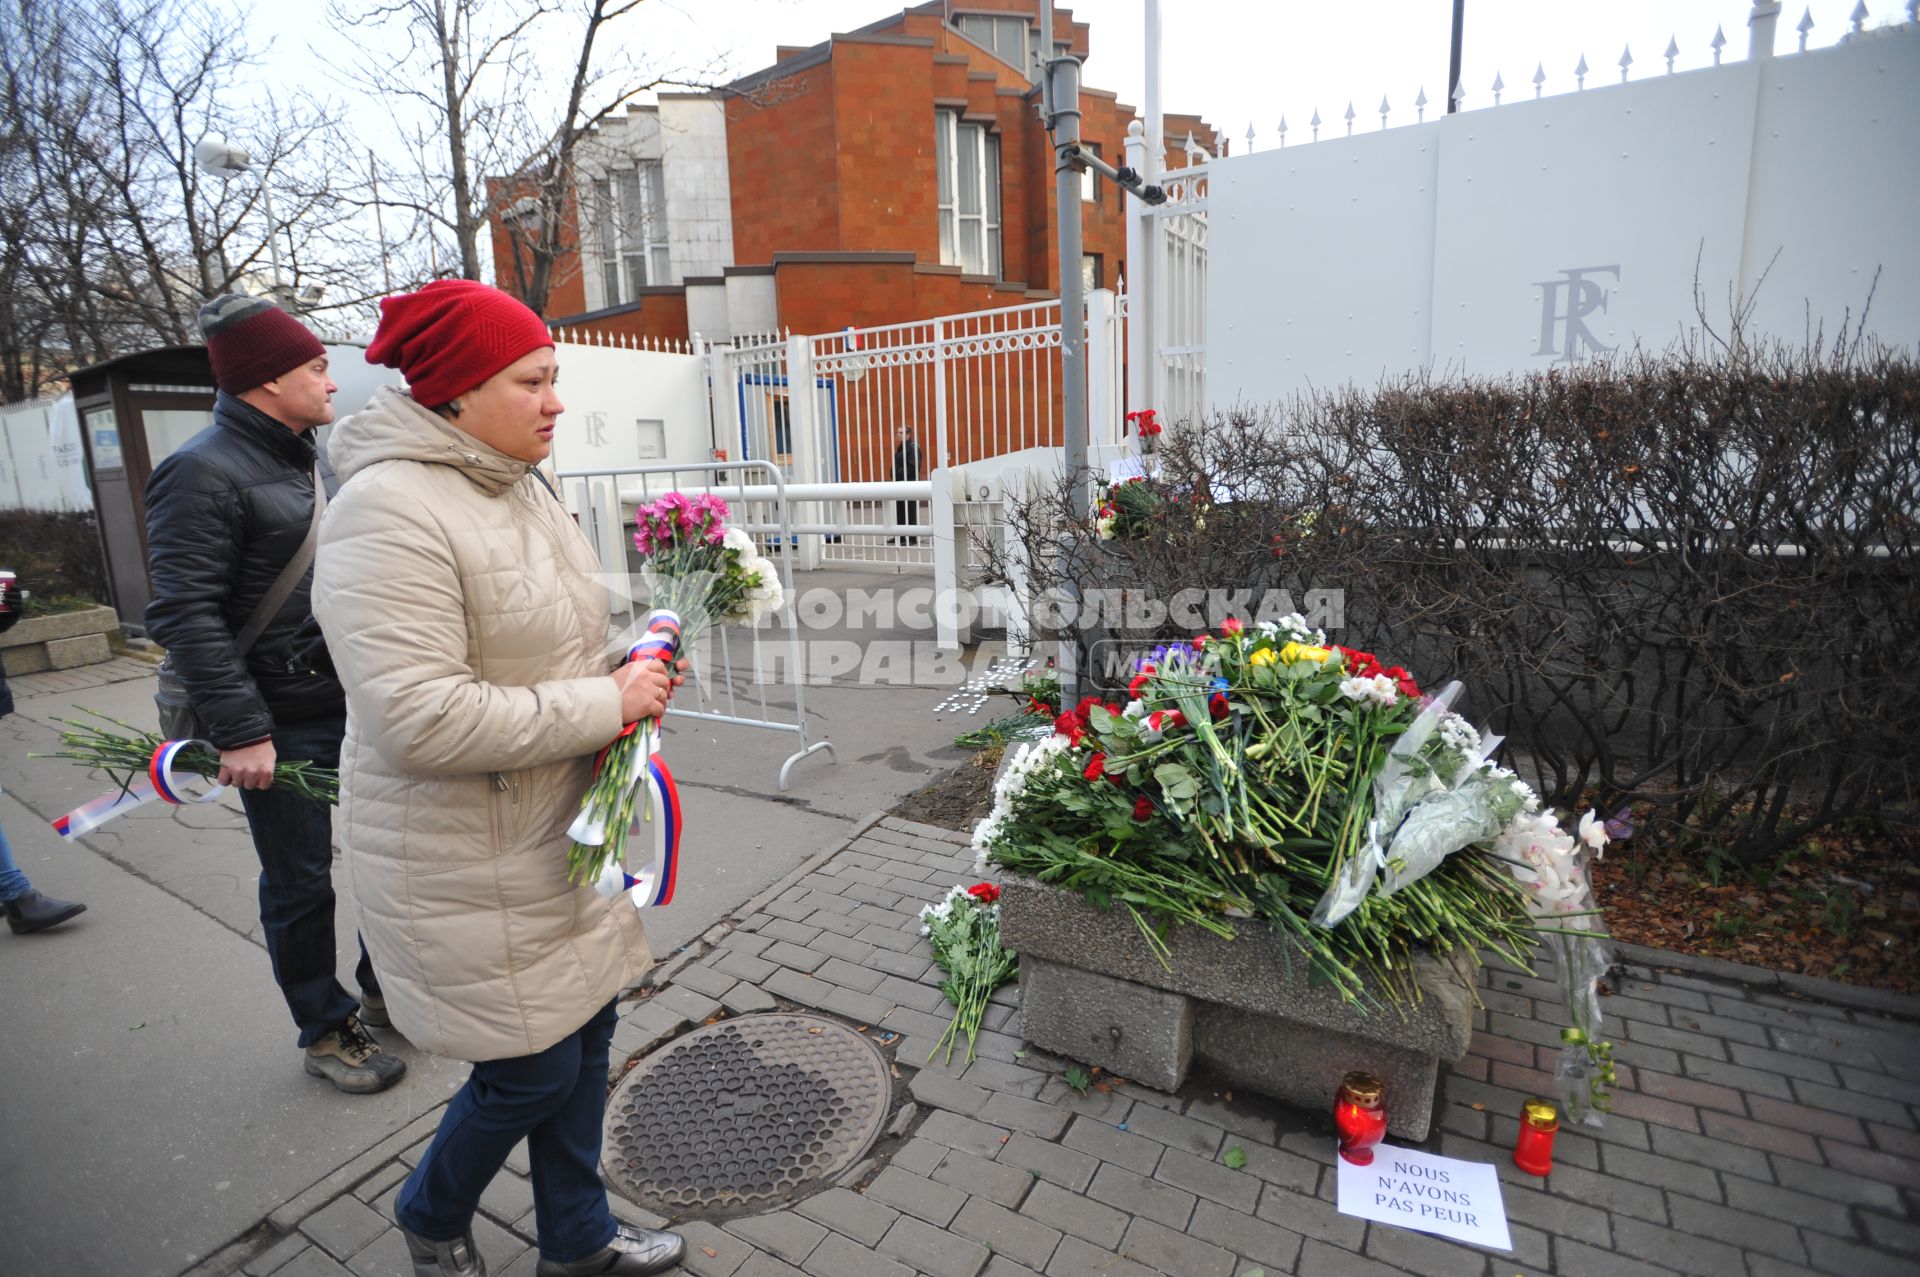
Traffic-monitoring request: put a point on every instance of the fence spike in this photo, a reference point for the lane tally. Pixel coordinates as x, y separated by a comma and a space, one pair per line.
1249, 137
1499, 87
1192, 146
1315, 122
1349, 117
1384, 108
1539, 77
1459, 94
1673, 51
1283, 132
1859, 16
1580, 74
1805, 25
1626, 61
1420, 105
1718, 42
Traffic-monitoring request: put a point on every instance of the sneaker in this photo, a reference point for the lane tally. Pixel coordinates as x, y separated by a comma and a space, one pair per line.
457, 1258
373, 1011
635, 1252
354, 1062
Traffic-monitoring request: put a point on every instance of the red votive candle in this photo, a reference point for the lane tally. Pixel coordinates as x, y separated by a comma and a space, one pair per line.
1360, 1117
1534, 1151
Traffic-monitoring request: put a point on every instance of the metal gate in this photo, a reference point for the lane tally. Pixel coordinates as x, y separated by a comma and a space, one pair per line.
733, 666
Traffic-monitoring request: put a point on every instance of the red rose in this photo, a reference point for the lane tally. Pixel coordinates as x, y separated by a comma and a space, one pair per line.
1095, 768
1231, 626
1199, 642
985, 892
1217, 705
1143, 808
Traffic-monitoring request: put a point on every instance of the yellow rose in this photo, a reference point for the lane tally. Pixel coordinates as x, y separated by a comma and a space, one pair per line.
1264, 656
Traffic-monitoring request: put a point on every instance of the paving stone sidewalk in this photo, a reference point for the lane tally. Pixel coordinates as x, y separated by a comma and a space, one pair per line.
1757, 1131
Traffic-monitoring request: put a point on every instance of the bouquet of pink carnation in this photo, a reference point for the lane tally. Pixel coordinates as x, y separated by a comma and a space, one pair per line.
698, 570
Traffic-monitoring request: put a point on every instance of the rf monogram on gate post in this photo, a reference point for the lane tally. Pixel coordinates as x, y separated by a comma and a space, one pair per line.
1563, 328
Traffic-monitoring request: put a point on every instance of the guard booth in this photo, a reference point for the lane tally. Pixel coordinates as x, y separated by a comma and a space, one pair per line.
134, 411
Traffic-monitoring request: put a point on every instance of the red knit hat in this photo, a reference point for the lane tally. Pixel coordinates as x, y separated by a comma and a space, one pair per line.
250, 341
452, 335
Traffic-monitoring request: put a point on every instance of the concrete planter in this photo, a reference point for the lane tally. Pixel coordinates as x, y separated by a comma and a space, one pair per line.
59, 642
1091, 990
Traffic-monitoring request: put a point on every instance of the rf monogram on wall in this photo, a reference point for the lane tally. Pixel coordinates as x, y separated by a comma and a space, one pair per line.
1563, 324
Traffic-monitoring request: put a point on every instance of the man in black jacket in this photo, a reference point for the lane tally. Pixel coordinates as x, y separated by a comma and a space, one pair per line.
225, 514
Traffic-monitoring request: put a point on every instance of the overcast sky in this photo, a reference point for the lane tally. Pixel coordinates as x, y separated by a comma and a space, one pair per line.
1237, 62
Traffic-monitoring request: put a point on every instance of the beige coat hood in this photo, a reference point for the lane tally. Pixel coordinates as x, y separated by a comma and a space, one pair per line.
462, 609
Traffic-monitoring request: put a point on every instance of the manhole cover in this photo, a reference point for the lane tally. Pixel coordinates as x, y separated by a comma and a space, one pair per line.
745, 1112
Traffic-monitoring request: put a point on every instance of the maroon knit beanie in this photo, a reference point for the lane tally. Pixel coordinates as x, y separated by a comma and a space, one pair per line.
452, 335
250, 341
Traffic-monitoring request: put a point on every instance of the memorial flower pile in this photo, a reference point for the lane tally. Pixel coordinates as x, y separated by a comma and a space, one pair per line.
1129, 508
1263, 775
698, 571
964, 930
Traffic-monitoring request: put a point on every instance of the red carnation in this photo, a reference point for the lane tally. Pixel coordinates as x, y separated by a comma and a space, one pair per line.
1071, 726
1143, 808
985, 892
1403, 681
1217, 705
1096, 767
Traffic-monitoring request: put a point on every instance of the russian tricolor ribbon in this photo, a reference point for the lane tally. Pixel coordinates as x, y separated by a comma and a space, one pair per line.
653, 885
659, 807
159, 784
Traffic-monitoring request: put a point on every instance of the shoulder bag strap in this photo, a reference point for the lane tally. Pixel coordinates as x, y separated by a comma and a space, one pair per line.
276, 596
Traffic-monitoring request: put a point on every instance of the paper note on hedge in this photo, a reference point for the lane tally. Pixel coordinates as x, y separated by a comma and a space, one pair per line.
1433, 1194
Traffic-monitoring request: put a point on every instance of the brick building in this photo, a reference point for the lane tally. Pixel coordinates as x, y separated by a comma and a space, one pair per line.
895, 172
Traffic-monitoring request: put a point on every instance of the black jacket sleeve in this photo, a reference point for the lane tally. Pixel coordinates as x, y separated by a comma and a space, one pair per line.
195, 535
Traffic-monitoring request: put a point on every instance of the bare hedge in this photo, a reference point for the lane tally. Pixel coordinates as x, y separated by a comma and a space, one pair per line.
56, 554
1684, 581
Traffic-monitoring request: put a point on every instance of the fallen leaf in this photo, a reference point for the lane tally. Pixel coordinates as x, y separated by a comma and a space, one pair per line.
711, 1252
1479, 1108
1236, 1158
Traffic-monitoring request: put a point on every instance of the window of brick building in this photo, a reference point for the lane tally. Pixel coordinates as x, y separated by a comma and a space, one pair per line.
1089, 184
1012, 39
1092, 275
631, 205
967, 159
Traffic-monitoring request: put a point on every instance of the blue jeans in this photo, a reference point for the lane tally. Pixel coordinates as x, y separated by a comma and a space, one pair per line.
293, 837
553, 1100
13, 883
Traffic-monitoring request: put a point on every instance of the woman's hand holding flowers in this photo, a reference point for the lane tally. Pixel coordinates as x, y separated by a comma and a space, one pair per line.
645, 688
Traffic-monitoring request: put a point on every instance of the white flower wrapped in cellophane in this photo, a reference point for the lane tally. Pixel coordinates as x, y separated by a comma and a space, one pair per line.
1553, 865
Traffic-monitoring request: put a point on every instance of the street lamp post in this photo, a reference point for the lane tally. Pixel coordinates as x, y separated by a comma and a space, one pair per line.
219, 158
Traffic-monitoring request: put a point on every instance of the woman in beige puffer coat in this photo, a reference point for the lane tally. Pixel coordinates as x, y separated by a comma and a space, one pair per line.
463, 612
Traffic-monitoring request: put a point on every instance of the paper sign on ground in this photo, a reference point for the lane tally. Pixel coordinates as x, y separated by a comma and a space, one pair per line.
1427, 1192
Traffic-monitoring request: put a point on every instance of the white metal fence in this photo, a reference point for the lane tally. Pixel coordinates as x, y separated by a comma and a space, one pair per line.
733, 667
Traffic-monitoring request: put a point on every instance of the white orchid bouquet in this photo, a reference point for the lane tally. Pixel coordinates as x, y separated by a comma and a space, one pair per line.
698, 570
